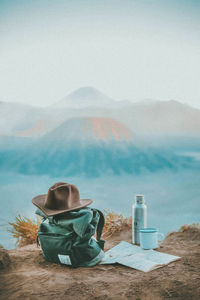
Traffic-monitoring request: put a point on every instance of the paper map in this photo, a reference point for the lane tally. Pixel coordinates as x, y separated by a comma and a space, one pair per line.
134, 257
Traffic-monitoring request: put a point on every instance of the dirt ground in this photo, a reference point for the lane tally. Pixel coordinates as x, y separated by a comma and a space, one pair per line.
31, 277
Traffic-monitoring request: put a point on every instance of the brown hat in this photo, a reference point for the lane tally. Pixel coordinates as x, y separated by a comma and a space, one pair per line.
62, 197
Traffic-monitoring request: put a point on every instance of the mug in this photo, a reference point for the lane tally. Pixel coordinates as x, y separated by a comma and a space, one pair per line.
149, 238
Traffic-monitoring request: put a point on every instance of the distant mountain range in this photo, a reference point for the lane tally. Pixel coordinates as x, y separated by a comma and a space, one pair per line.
87, 146
148, 118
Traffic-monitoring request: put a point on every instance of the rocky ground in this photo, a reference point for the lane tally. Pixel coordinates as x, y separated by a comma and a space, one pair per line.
29, 276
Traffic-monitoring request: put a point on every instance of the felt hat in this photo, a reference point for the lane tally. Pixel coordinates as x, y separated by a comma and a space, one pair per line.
61, 197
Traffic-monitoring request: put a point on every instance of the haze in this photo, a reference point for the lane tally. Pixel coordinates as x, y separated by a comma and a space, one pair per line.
128, 49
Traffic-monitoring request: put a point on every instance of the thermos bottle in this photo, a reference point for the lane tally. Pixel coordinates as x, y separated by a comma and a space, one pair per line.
139, 218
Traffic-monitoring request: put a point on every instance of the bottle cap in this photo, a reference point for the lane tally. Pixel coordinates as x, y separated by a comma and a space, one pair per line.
139, 199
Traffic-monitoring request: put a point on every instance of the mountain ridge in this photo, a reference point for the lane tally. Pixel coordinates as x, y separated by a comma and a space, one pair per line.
169, 118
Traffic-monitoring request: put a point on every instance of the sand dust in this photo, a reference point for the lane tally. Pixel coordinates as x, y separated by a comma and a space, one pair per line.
31, 277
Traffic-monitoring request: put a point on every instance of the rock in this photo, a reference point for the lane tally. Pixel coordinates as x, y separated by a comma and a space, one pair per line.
4, 258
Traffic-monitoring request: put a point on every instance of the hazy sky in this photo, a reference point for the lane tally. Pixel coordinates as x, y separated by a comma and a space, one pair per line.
129, 49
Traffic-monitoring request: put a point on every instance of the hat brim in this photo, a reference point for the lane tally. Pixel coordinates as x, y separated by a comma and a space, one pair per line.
39, 201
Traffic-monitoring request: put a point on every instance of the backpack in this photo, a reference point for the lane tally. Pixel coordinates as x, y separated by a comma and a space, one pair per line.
68, 238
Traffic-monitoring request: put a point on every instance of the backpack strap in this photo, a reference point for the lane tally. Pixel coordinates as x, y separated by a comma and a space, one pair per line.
37, 241
100, 226
37, 237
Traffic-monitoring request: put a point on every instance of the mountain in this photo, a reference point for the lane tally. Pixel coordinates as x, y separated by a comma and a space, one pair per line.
160, 118
147, 119
21, 120
17, 117
88, 97
90, 129
36, 129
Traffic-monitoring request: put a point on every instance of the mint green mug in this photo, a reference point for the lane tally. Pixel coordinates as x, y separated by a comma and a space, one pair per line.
149, 238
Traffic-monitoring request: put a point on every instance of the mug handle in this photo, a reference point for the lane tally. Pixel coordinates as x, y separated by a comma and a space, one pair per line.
161, 237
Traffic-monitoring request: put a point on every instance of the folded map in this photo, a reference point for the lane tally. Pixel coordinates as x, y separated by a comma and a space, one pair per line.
134, 257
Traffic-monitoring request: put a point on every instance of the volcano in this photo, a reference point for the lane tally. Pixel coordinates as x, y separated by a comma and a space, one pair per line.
90, 128
86, 97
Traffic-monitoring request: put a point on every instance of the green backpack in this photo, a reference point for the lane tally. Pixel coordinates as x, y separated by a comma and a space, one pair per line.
68, 238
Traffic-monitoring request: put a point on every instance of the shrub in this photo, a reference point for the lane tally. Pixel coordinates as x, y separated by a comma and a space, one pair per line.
24, 230
115, 223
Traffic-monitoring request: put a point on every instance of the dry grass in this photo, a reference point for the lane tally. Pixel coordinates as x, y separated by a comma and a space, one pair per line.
191, 226
114, 223
24, 230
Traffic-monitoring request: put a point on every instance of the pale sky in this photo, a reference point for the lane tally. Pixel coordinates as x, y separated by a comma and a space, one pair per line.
128, 49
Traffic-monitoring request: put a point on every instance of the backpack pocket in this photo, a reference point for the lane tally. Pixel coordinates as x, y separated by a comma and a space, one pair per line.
54, 244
